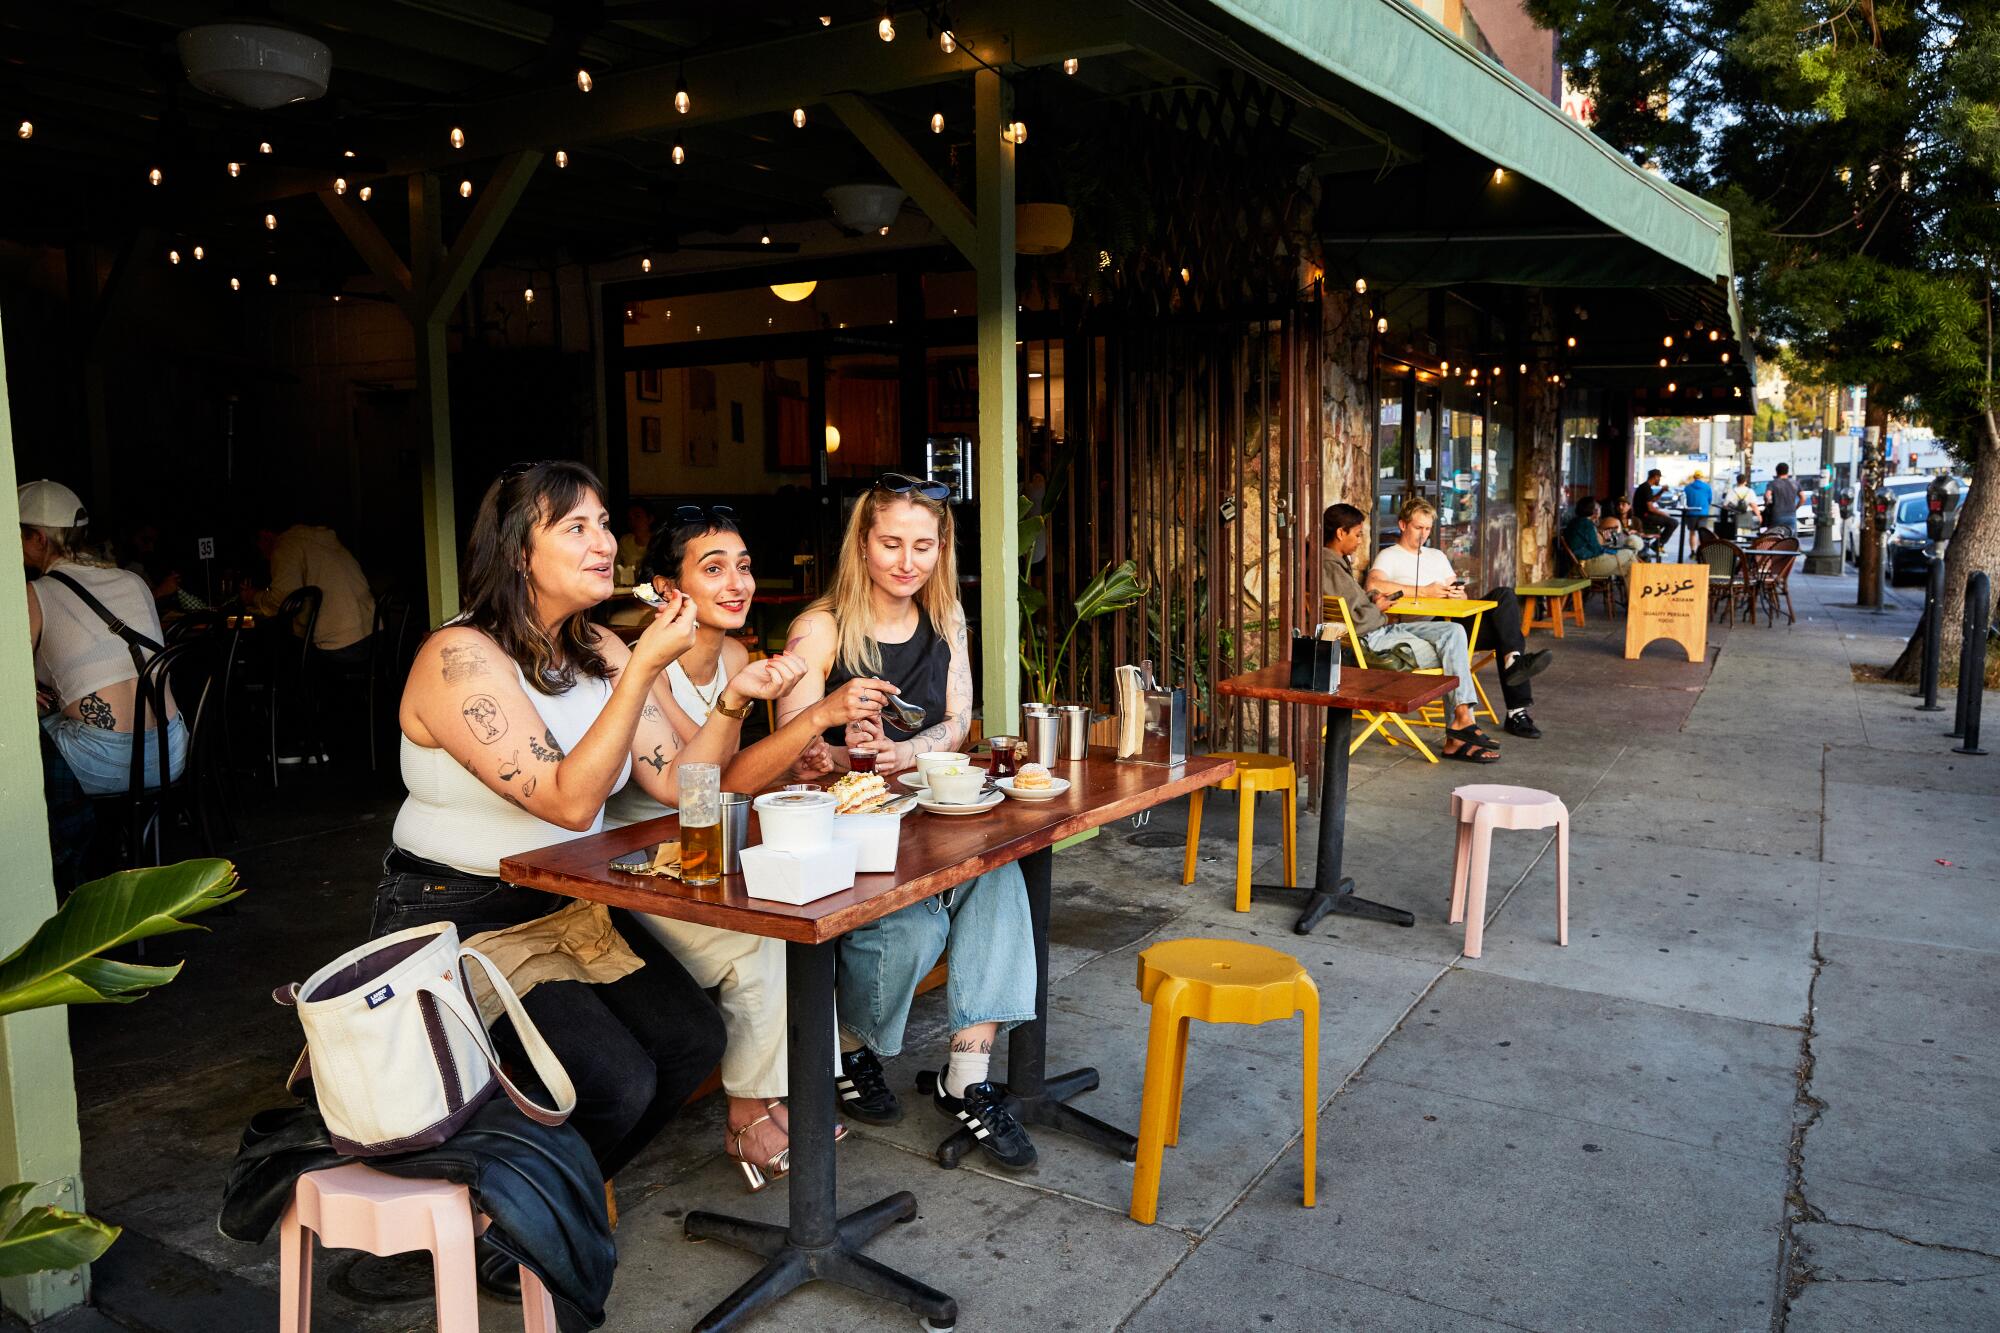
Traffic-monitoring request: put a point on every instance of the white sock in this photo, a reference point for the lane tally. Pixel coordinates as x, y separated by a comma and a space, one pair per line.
965, 1068
1517, 712
1511, 658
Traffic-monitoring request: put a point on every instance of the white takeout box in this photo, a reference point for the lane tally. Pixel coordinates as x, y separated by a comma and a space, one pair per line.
875, 838
795, 821
797, 877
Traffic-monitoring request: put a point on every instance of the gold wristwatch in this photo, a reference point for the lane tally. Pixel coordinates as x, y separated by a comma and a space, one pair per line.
737, 713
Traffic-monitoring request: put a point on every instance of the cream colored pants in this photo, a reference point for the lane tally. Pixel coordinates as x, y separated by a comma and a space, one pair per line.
750, 970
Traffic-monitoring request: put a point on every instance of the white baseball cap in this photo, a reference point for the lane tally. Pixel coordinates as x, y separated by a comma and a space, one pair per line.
50, 504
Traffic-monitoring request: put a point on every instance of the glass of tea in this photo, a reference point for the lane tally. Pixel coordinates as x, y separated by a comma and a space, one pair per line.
701, 823
860, 759
1006, 756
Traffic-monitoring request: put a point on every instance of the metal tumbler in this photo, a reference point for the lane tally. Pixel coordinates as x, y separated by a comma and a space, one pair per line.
1076, 731
735, 829
1041, 736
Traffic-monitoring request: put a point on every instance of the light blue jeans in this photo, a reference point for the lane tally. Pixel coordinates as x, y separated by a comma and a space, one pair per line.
102, 760
992, 977
1436, 643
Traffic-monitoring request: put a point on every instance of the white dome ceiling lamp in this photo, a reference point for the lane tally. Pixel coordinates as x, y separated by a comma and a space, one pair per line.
865, 208
255, 64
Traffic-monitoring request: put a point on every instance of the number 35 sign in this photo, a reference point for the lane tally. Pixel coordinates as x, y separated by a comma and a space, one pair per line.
1667, 602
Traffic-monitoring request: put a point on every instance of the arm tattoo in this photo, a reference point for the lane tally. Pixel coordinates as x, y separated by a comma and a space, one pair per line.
528, 787
461, 662
794, 642
546, 748
510, 767
95, 712
657, 759
482, 713
651, 712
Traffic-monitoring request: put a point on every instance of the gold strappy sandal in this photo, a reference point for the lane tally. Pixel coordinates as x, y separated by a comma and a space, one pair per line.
755, 1176
839, 1126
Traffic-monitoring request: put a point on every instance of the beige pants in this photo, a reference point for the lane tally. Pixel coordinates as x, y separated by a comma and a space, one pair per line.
750, 970
1613, 564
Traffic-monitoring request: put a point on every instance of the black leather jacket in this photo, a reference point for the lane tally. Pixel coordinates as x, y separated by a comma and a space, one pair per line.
539, 1184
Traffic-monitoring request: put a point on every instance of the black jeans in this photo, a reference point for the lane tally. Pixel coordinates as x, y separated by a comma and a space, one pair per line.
635, 1048
1500, 630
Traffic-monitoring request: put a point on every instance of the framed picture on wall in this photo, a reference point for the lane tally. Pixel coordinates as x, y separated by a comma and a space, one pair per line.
649, 385
649, 435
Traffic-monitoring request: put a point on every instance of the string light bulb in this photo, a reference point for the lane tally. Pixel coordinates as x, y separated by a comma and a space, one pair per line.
826, 20
25, 130
1382, 325
886, 28
273, 278
937, 122
1016, 132
1715, 335
235, 285
465, 189
1667, 341
173, 256
1663, 363
1523, 369
646, 264
367, 193
583, 80
1186, 277
528, 295
1725, 358
562, 159
457, 137
199, 254
1499, 175
947, 41
1572, 341
765, 239
340, 185
235, 169
798, 117
1672, 387
154, 175
264, 147
681, 99
1361, 286
680, 153
270, 222
1070, 65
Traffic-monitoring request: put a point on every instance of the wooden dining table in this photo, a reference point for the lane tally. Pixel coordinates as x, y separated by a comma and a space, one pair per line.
937, 852
1378, 692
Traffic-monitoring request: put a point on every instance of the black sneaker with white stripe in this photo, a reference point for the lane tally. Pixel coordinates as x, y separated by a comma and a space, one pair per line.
864, 1091
983, 1111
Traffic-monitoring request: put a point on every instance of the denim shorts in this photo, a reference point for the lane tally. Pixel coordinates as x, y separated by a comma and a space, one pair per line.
102, 760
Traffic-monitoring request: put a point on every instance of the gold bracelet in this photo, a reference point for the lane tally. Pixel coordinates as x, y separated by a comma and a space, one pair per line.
722, 707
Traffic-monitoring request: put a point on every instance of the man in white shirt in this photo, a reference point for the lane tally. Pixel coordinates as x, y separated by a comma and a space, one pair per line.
1417, 570
306, 554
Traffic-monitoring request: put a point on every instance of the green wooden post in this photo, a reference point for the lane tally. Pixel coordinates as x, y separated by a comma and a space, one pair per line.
38, 1130
998, 469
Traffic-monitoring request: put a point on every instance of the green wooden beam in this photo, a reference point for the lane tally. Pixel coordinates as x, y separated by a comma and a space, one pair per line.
38, 1127
369, 242
999, 426
504, 189
907, 167
433, 401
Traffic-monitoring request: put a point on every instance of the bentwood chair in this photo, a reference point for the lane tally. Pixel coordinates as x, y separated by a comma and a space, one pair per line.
273, 667
391, 649
1728, 580
177, 678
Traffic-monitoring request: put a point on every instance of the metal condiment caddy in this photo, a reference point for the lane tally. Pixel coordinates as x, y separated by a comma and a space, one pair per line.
1152, 722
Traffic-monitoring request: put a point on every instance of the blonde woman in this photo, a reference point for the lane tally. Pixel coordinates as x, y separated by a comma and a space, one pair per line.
893, 615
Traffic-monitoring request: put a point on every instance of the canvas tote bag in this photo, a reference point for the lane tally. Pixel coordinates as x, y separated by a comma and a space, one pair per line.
396, 1050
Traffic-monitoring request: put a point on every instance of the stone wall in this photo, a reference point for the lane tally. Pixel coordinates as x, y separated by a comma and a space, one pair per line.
1538, 442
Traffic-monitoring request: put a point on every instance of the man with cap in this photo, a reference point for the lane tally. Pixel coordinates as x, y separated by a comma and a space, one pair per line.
86, 671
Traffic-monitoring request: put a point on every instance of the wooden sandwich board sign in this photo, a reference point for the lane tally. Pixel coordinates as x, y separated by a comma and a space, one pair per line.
1667, 602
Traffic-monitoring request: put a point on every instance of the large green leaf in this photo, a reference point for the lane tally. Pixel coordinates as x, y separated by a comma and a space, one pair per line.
49, 1239
1114, 589
58, 965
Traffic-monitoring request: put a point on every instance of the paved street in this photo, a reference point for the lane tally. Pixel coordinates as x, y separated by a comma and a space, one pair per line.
1755, 1092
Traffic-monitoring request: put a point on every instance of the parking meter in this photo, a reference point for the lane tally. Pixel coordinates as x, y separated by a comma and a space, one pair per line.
1941, 516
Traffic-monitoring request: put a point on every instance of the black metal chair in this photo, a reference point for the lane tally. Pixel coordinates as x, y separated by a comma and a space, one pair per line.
389, 656
192, 624
176, 668
275, 665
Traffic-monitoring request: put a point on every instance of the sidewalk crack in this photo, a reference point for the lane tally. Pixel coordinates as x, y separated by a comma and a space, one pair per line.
1793, 1273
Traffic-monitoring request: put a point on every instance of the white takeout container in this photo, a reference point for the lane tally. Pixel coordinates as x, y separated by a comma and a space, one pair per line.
797, 877
875, 838
796, 821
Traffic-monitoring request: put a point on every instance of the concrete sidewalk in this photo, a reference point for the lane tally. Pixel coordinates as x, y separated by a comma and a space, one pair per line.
1756, 1091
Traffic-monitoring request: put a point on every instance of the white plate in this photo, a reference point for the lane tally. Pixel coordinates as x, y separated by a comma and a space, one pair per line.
1056, 787
914, 780
979, 807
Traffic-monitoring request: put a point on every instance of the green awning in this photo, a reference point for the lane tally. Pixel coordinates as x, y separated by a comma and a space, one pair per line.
1392, 50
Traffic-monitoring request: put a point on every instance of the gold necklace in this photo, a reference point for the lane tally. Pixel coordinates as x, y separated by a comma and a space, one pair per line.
707, 701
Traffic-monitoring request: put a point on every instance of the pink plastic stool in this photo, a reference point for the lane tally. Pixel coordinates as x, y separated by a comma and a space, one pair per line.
1481, 808
356, 1207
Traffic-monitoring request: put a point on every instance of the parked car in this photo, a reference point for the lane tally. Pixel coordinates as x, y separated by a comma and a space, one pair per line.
1909, 532
1897, 488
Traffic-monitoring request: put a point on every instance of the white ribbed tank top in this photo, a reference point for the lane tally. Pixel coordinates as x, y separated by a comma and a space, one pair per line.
630, 803
455, 819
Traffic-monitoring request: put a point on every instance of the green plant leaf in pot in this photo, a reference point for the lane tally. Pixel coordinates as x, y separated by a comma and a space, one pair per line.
47, 1239
59, 963
1114, 589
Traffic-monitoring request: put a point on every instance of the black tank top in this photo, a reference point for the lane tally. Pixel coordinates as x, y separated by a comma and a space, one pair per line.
919, 667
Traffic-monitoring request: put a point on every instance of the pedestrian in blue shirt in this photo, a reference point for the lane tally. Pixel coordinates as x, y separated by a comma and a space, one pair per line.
1697, 498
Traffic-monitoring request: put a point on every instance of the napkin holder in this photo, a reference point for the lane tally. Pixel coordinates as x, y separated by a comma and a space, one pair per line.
1152, 722
1316, 660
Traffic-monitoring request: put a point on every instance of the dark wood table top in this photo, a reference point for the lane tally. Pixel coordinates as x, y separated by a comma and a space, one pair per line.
937, 852
1376, 691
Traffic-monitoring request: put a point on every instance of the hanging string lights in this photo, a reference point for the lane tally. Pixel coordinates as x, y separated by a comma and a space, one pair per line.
457, 137
264, 148
153, 176
340, 185
681, 99
199, 254
367, 193
886, 28
173, 256
798, 117
1070, 65
235, 169
270, 222
465, 189
25, 130
562, 159
583, 80
680, 153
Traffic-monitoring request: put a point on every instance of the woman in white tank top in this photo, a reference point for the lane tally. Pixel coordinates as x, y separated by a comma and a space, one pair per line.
700, 554
519, 717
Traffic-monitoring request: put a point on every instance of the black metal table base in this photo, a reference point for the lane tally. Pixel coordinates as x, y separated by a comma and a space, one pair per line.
790, 1266
1341, 902
815, 1244
1038, 1100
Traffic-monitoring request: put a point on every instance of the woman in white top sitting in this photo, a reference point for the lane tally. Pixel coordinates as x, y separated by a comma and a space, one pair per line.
701, 555
519, 719
86, 678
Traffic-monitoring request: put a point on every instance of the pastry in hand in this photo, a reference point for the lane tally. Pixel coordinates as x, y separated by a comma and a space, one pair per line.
1033, 777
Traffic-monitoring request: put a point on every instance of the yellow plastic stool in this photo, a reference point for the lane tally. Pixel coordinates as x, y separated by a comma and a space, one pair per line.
1254, 773
1215, 981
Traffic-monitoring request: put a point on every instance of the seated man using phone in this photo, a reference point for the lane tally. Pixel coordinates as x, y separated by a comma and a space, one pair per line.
1417, 570
1343, 531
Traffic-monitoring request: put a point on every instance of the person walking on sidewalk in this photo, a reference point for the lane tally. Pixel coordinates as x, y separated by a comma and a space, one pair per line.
1782, 495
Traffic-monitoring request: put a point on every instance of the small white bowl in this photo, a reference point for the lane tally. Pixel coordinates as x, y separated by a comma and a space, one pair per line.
959, 788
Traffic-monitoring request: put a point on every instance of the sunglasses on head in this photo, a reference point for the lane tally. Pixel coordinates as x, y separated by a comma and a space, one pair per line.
513, 470
702, 513
902, 483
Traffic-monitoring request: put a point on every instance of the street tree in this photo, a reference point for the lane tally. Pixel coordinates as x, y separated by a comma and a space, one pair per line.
1856, 144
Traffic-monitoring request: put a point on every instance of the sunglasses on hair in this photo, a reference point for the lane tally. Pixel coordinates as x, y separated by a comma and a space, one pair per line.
902, 483
702, 513
513, 470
